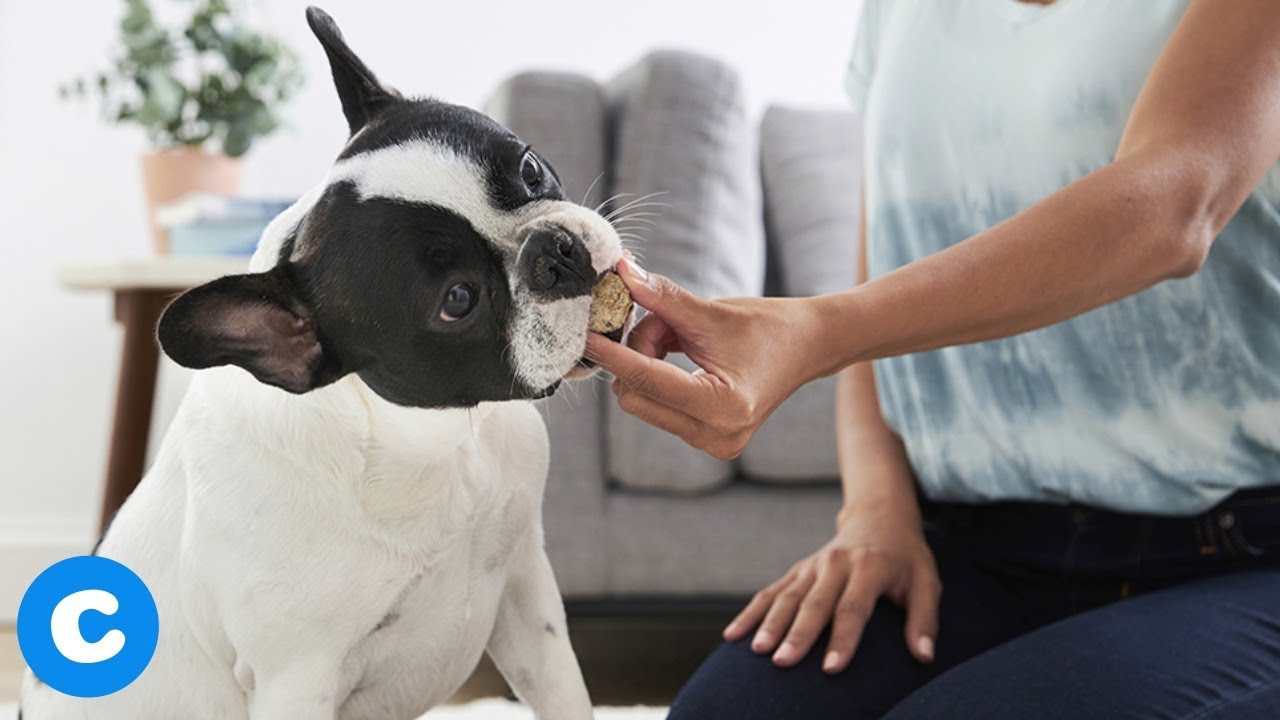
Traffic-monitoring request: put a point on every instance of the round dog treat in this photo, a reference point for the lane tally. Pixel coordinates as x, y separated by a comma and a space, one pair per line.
610, 304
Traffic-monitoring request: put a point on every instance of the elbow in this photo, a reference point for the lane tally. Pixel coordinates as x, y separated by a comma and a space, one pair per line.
1197, 207
1189, 252
1191, 195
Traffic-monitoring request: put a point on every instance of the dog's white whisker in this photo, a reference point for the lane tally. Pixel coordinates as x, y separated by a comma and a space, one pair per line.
608, 200
642, 216
633, 229
636, 203
637, 211
647, 196
586, 195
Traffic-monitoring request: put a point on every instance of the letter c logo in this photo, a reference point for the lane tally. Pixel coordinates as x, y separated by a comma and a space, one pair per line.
88, 626
65, 627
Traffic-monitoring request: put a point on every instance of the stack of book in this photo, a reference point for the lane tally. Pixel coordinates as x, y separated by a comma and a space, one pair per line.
205, 224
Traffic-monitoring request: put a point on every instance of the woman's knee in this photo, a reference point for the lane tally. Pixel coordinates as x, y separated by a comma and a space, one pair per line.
735, 683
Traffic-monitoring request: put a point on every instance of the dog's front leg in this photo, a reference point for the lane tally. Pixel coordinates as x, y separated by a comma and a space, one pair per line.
301, 691
530, 641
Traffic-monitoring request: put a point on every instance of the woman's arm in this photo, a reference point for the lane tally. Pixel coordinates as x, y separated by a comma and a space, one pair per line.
1205, 129
878, 548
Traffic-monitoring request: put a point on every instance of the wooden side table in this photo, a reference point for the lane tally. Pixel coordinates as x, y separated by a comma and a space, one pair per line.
142, 288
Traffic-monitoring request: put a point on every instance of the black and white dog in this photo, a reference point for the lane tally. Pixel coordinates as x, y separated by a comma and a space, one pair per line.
349, 546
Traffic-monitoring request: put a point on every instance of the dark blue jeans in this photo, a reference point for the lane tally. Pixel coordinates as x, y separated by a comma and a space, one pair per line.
1052, 612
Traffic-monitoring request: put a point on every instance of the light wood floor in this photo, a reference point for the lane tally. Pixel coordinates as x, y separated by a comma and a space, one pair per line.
626, 661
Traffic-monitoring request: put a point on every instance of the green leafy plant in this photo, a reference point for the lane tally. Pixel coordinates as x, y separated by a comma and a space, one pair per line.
214, 83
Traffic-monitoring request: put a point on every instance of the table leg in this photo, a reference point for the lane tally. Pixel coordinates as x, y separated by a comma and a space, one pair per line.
139, 312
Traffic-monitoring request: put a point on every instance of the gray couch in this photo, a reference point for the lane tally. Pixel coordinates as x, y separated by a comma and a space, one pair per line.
631, 512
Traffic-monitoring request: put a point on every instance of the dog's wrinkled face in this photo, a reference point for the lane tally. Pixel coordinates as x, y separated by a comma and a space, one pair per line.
439, 262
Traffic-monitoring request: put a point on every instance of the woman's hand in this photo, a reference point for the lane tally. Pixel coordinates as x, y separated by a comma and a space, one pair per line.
877, 551
753, 354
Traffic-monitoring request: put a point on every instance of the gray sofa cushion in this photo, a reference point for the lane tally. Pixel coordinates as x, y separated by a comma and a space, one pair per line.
564, 116
797, 444
682, 128
811, 170
728, 543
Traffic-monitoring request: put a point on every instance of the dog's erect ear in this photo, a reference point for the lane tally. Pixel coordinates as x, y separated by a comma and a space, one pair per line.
254, 321
361, 94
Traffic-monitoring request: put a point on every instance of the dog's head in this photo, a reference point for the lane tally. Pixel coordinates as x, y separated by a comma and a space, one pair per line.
439, 262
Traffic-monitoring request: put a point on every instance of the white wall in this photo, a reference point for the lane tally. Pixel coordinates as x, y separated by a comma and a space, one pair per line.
70, 185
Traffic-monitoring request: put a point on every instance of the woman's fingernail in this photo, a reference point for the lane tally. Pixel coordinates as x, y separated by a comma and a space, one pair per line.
925, 647
762, 641
629, 266
786, 653
831, 662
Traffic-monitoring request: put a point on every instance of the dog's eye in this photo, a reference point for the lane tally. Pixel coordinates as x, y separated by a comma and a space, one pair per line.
460, 300
531, 171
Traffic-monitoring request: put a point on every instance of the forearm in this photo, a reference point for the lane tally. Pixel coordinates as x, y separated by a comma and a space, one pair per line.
875, 474
1108, 235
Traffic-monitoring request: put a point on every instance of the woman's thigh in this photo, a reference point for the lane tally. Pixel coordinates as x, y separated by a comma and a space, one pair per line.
977, 612
1208, 649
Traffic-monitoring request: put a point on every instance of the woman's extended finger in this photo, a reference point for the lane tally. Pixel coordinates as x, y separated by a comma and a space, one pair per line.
854, 608
659, 415
781, 613
656, 379
814, 615
750, 617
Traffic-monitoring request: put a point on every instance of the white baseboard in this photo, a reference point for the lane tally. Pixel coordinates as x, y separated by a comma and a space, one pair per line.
28, 546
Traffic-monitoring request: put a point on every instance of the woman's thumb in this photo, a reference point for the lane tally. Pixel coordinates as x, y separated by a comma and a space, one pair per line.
657, 294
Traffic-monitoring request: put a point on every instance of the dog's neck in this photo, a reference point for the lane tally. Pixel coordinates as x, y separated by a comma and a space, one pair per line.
344, 429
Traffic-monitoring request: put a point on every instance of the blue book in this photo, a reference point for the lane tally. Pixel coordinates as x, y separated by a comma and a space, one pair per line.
223, 237
198, 207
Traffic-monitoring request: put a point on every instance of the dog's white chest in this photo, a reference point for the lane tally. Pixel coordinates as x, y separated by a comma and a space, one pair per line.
427, 643
436, 546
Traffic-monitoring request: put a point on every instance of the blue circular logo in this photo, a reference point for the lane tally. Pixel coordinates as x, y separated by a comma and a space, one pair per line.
88, 626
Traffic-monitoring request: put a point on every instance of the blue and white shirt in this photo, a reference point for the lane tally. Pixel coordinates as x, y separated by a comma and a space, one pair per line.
1165, 402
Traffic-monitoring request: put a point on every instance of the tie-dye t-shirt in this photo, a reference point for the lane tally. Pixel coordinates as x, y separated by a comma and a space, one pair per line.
1164, 402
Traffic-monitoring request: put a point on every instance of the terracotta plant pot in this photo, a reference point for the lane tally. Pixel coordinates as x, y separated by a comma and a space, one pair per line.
170, 173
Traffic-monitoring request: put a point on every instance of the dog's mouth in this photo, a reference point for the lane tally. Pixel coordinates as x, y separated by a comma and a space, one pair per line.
585, 367
611, 315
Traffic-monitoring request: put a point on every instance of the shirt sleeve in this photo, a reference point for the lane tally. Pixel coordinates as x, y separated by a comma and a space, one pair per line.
866, 50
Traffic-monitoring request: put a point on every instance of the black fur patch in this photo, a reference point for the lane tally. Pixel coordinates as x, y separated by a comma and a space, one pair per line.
375, 277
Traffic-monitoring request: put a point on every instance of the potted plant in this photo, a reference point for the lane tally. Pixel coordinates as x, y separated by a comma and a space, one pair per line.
203, 95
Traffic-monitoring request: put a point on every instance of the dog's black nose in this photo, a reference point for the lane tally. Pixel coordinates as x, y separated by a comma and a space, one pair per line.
556, 264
